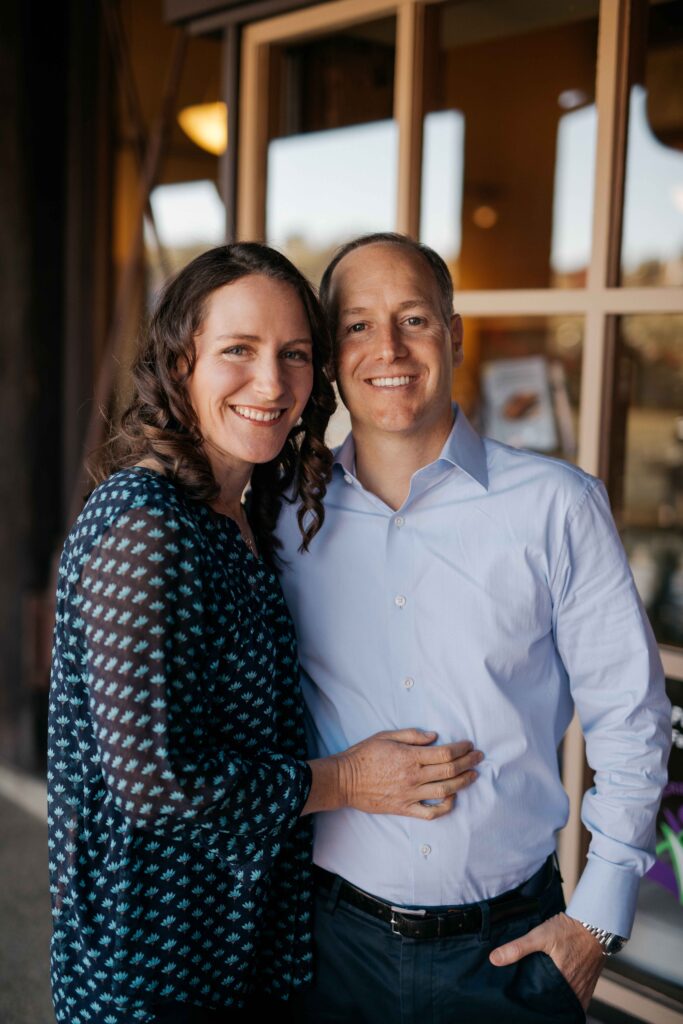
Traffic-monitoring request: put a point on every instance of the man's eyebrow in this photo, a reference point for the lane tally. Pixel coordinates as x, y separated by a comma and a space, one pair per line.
352, 310
406, 304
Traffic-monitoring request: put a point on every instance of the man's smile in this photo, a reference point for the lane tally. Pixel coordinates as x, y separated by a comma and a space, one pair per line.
391, 382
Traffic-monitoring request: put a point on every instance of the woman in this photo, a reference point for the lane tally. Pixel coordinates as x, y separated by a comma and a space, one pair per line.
178, 789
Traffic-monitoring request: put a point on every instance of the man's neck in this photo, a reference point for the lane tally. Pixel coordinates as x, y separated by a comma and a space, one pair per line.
385, 463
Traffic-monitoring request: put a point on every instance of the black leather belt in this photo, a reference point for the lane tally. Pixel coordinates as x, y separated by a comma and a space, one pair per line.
426, 924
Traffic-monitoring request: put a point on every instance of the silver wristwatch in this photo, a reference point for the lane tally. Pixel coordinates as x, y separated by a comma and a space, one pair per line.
610, 942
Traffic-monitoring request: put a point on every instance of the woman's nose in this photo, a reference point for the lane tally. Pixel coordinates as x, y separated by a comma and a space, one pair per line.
269, 379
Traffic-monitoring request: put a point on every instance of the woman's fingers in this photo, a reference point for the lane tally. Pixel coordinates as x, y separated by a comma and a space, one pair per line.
451, 769
414, 736
446, 787
428, 812
444, 753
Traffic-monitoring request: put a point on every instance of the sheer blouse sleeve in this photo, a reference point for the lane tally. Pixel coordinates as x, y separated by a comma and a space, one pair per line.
142, 603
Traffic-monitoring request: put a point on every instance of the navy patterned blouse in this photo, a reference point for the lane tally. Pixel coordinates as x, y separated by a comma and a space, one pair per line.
179, 866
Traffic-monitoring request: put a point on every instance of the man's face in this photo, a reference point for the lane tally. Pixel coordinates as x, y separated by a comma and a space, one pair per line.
395, 350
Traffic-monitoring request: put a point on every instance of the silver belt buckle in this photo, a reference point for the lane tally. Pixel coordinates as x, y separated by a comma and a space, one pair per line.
404, 912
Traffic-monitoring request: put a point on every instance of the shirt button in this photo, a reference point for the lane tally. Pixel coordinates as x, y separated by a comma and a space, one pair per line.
425, 849
399, 601
348, 479
399, 521
408, 683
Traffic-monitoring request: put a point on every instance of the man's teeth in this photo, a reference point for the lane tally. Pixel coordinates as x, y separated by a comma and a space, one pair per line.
258, 414
389, 382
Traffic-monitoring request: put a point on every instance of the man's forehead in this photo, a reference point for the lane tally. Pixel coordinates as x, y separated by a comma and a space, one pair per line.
362, 269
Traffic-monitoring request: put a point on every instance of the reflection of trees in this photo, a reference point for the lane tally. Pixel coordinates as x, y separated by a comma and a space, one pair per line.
654, 273
655, 342
311, 260
176, 260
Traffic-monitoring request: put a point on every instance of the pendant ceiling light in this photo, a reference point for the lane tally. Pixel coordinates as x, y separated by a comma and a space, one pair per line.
207, 125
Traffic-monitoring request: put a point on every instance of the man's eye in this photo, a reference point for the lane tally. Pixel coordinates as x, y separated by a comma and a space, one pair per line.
415, 321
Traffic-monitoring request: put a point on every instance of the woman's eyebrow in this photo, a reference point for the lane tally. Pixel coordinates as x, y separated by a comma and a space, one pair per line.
240, 336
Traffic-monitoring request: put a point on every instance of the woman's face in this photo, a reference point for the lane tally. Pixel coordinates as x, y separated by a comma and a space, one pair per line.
253, 372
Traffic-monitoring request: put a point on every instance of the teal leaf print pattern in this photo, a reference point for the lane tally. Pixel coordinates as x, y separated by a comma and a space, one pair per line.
179, 865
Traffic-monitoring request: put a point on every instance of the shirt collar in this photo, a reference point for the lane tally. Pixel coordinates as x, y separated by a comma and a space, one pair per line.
464, 449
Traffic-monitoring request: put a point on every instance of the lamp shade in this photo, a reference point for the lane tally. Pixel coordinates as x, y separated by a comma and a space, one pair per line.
207, 125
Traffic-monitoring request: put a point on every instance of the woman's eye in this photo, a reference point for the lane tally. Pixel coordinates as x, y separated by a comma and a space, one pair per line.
234, 350
296, 355
355, 328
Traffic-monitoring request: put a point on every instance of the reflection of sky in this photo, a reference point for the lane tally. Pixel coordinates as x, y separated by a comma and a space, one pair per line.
573, 193
442, 182
653, 211
190, 213
328, 186
332, 185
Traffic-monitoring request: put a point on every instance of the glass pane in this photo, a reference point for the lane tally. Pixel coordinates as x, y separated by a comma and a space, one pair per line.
521, 380
189, 218
333, 151
652, 243
655, 946
186, 214
509, 141
647, 463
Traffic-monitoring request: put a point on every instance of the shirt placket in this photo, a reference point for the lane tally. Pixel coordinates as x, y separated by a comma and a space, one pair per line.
405, 671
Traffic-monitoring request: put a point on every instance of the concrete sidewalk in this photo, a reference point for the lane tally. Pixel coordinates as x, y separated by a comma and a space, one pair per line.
25, 925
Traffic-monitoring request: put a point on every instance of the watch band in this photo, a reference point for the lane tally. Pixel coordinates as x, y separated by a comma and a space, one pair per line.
610, 942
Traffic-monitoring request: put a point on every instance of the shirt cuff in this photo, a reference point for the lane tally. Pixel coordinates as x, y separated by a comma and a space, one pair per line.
606, 897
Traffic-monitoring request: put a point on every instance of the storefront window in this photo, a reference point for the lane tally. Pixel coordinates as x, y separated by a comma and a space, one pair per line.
521, 379
652, 247
647, 463
331, 172
509, 142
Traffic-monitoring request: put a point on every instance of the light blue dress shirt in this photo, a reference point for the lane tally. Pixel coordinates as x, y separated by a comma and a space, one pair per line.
493, 602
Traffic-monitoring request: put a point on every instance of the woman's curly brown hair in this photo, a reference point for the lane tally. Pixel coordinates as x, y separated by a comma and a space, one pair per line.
160, 422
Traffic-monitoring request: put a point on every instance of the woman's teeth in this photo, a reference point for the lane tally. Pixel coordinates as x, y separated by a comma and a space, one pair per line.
258, 414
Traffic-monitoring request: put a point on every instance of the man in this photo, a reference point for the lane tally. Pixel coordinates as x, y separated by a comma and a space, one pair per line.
482, 592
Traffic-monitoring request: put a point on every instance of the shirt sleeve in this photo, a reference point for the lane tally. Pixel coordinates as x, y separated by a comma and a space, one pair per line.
142, 602
617, 683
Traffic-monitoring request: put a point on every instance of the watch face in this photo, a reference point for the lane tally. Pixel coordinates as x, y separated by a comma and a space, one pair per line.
613, 944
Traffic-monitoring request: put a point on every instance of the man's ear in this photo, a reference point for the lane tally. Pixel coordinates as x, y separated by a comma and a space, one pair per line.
456, 330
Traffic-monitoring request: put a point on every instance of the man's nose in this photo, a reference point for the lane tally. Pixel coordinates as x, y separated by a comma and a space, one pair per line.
269, 378
390, 345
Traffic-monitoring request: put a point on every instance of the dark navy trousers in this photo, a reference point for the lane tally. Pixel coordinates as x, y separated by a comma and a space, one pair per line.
365, 974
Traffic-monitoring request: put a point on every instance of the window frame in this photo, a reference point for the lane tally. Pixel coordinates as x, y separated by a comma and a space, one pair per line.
601, 302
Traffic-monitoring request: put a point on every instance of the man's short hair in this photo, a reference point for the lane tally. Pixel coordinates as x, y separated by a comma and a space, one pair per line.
439, 270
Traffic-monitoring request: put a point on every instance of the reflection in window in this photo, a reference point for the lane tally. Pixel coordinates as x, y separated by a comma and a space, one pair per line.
189, 218
573, 193
652, 245
647, 463
442, 183
519, 77
521, 380
326, 187
332, 150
